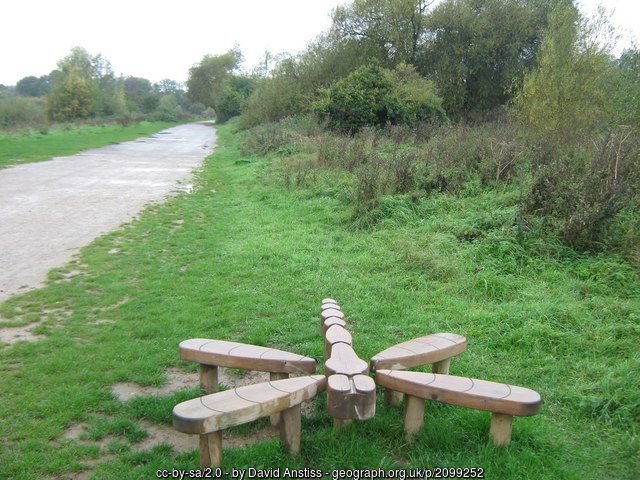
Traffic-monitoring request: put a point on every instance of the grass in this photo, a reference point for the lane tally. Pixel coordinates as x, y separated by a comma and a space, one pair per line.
244, 259
36, 145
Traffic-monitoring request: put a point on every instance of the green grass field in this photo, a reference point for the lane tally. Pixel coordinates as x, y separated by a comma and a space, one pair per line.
33, 145
245, 259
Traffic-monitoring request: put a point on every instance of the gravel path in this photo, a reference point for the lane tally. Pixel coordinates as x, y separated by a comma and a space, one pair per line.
49, 210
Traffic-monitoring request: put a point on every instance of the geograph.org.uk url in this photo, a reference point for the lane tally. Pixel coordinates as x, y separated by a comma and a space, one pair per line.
336, 474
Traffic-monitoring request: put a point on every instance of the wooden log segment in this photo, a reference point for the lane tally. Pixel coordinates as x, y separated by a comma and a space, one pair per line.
331, 312
208, 415
435, 349
351, 397
345, 361
326, 314
503, 401
327, 306
220, 353
329, 322
335, 334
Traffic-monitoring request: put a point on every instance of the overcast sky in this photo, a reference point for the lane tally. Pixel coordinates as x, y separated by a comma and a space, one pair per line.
159, 39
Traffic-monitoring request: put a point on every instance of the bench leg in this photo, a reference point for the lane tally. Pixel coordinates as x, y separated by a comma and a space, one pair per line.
290, 427
341, 423
441, 367
209, 378
413, 416
275, 418
210, 449
393, 398
500, 428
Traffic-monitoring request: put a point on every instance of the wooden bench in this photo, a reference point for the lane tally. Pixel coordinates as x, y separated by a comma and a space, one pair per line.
435, 349
211, 354
504, 401
207, 416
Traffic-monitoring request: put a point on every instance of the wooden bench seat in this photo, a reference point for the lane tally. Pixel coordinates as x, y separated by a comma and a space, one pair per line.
211, 354
504, 401
207, 416
335, 334
345, 361
436, 349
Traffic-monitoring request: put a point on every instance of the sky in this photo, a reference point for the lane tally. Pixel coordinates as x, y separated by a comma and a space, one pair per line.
161, 39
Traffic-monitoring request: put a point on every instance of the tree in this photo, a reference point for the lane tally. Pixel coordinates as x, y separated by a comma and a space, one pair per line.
33, 86
168, 108
135, 90
235, 92
478, 49
70, 99
392, 29
374, 96
627, 91
565, 99
206, 79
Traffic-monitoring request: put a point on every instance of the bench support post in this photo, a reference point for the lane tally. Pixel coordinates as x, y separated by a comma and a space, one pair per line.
413, 416
290, 427
210, 449
341, 423
393, 398
500, 429
441, 367
275, 418
209, 378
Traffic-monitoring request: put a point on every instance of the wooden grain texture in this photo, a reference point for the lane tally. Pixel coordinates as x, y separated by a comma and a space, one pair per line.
330, 322
442, 367
500, 429
249, 357
463, 392
208, 378
331, 312
351, 397
290, 429
327, 306
233, 407
335, 334
344, 361
393, 398
275, 417
211, 449
413, 416
419, 351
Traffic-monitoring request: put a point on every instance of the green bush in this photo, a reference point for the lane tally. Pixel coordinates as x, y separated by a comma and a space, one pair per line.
235, 92
374, 96
168, 108
21, 112
285, 137
272, 100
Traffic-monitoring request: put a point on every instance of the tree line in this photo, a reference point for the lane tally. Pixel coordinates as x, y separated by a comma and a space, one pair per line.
500, 91
84, 86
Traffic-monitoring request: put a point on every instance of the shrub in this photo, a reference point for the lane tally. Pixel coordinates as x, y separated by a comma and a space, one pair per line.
374, 96
582, 191
274, 99
21, 112
234, 95
265, 139
168, 108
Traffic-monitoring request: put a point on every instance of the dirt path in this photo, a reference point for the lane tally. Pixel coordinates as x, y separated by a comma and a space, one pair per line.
49, 210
